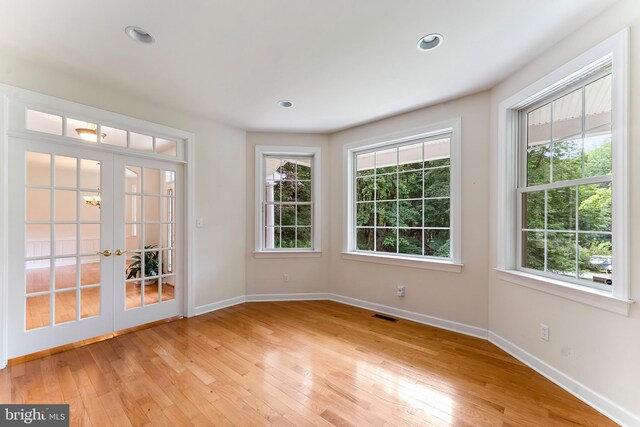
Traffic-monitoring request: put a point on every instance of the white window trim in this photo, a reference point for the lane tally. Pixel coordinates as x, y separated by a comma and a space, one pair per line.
454, 264
285, 150
614, 50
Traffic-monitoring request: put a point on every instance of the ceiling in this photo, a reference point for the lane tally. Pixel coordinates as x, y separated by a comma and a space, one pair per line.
342, 62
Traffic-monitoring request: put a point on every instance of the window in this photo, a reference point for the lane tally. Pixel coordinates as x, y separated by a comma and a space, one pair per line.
89, 132
562, 213
565, 185
287, 196
404, 197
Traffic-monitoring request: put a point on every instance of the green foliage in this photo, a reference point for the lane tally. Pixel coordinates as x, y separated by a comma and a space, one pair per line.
538, 165
437, 243
151, 263
410, 242
561, 253
395, 200
593, 205
567, 160
533, 250
597, 161
294, 218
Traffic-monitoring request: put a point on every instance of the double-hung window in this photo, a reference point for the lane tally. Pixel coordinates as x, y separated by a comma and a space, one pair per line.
404, 198
287, 199
562, 197
565, 183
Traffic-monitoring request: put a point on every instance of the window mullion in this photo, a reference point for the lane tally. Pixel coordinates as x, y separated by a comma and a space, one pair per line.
577, 227
551, 145
295, 198
546, 228
398, 200
375, 202
564, 184
422, 230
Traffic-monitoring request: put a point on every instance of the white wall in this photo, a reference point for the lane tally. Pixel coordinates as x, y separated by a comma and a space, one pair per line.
597, 348
220, 170
306, 275
460, 297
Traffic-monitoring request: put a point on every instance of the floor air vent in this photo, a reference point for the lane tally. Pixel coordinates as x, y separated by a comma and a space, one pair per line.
383, 317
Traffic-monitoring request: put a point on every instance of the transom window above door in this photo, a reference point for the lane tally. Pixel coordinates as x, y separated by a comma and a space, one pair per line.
90, 132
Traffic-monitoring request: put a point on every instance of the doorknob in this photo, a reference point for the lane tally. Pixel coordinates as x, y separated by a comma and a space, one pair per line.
120, 252
106, 252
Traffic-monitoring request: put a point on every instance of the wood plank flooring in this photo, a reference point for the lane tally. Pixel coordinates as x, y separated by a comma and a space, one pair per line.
315, 363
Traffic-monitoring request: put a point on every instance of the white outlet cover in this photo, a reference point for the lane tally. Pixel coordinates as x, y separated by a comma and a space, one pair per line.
544, 332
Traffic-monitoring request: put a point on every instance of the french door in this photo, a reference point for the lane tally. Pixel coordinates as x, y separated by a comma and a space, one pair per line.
146, 232
95, 242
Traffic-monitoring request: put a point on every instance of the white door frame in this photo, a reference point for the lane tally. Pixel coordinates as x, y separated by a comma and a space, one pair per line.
4, 228
11, 96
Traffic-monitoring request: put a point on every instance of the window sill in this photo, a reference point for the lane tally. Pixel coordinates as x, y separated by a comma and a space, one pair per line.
584, 295
287, 254
425, 264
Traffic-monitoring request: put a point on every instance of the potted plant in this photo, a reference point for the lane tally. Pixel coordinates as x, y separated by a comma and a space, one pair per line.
151, 263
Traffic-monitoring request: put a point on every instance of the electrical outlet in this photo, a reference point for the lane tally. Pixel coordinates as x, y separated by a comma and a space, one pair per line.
544, 332
285, 277
400, 290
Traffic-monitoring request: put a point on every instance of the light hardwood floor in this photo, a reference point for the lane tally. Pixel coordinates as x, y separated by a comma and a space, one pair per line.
294, 363
38, 307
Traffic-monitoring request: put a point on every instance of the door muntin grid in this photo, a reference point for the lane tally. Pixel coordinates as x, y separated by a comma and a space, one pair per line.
150, 224
62, 236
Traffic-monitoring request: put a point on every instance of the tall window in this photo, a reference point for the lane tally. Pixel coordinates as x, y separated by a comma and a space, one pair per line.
402, 198
287, 198
565, 183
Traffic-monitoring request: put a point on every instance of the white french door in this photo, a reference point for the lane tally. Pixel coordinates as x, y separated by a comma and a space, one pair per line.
148, 275
79, 219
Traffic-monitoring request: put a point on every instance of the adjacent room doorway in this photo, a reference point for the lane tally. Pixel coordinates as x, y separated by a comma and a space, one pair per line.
96, 243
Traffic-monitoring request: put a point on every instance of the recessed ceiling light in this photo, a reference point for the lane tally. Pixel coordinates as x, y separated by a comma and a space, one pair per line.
430, 41
285, 104
139, 34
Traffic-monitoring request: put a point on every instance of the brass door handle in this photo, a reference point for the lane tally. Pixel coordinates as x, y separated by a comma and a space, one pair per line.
120, 252
106, 252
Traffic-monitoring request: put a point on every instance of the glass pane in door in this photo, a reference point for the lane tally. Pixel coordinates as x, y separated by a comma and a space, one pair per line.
38, 311
60, 245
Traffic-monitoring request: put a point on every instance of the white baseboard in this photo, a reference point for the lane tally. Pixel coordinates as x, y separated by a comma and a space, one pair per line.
287, 297
449, 325
392, 311
202, 309
579, 390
